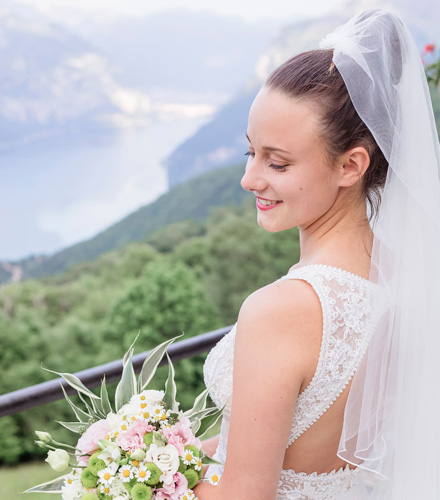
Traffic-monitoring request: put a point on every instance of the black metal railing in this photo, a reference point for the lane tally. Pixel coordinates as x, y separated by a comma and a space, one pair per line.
39, 394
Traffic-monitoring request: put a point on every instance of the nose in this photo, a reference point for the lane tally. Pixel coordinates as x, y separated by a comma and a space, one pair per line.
252, 179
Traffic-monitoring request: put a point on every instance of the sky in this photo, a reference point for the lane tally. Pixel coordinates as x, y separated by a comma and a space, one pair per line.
282, 10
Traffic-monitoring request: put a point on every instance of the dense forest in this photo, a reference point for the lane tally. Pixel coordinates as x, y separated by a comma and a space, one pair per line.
186, 277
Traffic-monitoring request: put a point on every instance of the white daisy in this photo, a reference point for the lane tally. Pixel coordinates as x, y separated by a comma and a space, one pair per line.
72, 488
188, 495
188, 457
126, 473
198, 464
104, 489
214, 479
142, 474
107, 475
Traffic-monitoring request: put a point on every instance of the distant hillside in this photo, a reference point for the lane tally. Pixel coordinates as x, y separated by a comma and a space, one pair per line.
220, 142
193, 200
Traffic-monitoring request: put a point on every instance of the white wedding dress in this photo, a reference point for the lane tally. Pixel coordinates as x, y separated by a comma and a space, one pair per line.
347, 326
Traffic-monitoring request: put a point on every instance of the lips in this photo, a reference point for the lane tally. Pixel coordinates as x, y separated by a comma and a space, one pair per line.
265, 204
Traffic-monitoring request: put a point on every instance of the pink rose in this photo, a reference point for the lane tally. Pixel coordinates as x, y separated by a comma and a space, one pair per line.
182, 433
133, 438
174, 490
88, 442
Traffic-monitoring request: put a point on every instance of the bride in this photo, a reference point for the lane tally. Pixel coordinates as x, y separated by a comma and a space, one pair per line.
334, 393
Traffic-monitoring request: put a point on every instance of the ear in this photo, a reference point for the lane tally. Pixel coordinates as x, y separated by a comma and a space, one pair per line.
354, 164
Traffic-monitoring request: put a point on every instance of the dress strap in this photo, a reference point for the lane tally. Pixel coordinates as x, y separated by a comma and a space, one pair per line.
345, 335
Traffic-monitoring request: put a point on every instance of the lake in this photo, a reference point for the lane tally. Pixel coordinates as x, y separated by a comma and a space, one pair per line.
57, 191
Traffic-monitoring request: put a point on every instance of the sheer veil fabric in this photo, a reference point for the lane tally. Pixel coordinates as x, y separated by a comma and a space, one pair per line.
392, 419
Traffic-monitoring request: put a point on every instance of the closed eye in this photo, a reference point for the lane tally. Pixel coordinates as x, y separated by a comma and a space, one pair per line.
279, 168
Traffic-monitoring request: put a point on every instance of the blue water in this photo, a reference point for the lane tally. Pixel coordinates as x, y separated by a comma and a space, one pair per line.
60, 190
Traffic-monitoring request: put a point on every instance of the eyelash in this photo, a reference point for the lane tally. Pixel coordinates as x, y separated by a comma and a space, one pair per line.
279, 168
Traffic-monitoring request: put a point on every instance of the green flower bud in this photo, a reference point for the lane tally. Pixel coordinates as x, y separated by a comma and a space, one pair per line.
95, 463
138, 455
148, 438
129, 484
155, 473
159, 439
41, 444
194, 449
141, 492
192, 476
44, 436
90, 496
182, 467
88, 479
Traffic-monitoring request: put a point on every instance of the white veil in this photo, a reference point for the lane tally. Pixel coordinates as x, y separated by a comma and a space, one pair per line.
392, 418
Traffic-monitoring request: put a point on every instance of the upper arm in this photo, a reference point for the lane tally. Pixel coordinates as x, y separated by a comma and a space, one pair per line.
278, 329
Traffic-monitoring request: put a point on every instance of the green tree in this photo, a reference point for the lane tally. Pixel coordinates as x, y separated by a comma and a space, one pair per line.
242, 257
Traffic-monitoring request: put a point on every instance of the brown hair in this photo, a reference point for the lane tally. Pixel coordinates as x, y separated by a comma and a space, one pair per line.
313, 76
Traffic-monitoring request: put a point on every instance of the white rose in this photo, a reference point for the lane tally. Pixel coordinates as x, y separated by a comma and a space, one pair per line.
58, 460
165, 457
114, 422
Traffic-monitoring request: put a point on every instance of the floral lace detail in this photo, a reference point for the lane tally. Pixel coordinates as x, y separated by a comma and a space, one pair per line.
347, 326
301, 486
217, 371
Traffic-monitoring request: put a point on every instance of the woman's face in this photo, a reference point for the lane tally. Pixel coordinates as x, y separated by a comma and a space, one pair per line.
287, 167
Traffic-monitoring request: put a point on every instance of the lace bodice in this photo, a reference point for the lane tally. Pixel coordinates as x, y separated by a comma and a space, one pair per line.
346, 302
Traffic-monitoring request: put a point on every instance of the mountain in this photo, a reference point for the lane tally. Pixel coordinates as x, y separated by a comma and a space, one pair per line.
53, 81
193, 200
222, 140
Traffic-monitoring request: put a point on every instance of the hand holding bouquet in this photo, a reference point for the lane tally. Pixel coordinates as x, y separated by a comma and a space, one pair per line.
145, 449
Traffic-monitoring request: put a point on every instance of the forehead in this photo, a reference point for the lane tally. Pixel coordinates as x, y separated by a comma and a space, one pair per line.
276, 119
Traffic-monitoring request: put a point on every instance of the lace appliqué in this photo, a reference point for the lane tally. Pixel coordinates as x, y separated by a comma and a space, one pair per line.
301, 486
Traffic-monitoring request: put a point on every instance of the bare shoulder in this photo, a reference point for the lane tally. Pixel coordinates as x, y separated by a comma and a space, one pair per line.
287, 314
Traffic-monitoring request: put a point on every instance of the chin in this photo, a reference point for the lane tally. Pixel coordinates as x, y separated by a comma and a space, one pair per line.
273, 228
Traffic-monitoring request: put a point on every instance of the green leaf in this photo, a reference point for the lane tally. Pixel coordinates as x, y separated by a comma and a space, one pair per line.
210, 461
106, 406
209, 422
53, 486
202, 413
195, 425
77, 427
170, 388
81, 415
127, 385
74, 382
199, 402
151, 363
90, 410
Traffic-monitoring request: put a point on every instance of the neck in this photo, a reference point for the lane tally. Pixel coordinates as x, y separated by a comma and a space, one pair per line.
340, 234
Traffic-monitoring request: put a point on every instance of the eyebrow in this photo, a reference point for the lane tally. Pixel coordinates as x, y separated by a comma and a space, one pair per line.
270, 148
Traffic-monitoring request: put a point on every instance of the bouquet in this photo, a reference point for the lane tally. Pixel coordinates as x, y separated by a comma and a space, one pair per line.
145, 448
